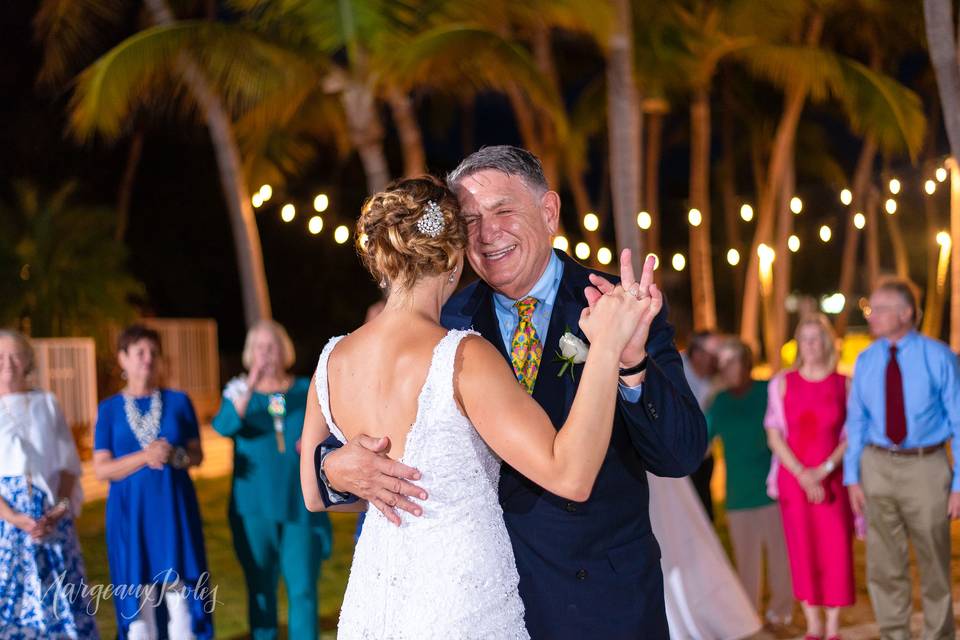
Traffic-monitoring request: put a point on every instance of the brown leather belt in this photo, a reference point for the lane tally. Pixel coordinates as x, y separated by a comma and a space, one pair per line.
917, 452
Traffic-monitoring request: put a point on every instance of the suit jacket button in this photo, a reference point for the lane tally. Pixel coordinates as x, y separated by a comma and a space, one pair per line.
582, 574
570, 507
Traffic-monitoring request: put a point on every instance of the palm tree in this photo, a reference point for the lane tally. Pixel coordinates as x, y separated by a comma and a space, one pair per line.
65, 272
939, 20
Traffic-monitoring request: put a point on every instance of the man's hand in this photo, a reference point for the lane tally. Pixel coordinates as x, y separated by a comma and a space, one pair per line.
636, 349
858, 501
953, 505
361, 467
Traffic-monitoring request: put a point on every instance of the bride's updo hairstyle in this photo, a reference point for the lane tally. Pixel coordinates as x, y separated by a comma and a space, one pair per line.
402, 237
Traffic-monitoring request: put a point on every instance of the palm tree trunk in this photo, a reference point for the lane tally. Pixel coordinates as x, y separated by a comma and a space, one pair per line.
794, 100
651, 182
938, 18
246, 237
366, 131
900, 260
125, 192
408, 129
624, 131
873, 236
701, 268
851, 240
776, 332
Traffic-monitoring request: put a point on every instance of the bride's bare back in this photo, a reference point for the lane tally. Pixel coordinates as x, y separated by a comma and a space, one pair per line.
375, 376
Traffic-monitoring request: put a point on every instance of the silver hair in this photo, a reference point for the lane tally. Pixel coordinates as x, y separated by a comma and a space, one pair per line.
507, 159
25, 347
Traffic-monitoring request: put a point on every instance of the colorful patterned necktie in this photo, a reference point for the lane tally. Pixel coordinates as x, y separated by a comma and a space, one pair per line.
526, 350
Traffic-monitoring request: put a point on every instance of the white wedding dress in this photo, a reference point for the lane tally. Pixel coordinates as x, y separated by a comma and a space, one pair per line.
449, 573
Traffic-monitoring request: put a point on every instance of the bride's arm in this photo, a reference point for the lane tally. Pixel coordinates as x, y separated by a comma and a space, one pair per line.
315, 431
518, 430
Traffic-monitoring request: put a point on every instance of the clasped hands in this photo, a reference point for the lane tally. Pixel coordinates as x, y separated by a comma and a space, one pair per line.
362, 468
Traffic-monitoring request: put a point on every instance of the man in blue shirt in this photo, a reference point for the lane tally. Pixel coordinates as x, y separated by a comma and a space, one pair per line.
904, 407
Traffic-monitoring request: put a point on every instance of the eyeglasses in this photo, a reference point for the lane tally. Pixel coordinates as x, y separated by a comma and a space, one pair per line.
880, 308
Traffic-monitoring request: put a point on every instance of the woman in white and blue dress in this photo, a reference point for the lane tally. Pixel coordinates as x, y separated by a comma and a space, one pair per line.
41, 570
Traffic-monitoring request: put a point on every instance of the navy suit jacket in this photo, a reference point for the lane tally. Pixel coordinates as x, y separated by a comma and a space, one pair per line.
592, 569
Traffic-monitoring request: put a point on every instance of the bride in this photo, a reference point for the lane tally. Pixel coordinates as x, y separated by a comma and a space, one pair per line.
452, 408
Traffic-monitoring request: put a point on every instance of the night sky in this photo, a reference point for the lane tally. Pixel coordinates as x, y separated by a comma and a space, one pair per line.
179, 236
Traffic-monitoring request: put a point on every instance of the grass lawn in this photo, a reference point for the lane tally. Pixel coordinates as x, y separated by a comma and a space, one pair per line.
230, 616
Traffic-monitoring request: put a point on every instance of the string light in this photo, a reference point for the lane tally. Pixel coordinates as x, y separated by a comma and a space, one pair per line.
321, 202
846, 197
644, 220
266, 192
859, 220
941, 174
315, 225
891, 206
257, 200
733, 257
894, 186
746, 212
678, 262
591, 222
341, 234
694, 217
582, 250
604, 255
833, 304
288, 213
943, 239
793, 243
930, 187
796, 205
825, 233
766, 253
561, 243
656, 260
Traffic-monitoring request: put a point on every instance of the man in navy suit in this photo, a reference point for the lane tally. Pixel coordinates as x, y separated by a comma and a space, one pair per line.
589, 569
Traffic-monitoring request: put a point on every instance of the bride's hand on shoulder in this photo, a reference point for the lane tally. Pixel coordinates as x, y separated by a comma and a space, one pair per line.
616, 317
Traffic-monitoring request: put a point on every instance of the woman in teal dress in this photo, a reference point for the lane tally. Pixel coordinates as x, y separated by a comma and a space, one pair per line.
273, 533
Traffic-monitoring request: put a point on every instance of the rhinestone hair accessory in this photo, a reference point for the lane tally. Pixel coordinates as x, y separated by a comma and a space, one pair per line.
431, 222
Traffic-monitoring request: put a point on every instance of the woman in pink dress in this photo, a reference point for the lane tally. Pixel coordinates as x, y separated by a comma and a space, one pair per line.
804, 422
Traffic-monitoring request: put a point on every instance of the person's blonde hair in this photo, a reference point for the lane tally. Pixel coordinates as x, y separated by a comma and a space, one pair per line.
393, 249
25, 347
827, 335
289, 356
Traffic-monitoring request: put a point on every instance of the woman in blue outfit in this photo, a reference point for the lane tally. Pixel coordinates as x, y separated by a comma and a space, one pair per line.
273, 533
146, 439
41, 570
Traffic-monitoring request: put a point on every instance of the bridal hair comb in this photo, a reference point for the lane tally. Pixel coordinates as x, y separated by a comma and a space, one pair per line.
431, 222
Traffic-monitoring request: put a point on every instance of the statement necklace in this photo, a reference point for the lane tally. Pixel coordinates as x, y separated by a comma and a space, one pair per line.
145, 426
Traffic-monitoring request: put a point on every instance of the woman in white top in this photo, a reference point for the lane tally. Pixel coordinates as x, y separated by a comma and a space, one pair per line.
41, 569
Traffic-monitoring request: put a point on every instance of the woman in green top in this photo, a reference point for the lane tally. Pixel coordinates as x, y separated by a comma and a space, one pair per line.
736, 417
273, 532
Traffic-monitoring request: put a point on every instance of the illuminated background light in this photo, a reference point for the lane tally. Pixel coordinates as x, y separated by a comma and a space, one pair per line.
746, 212
796, 205
288, 212
943, 239
694, 217
941, 174
591, 222
930, 187
266, 192
678, 262
859, 220
793, 243
257, 200
656, 260
846, 197
321, 202
825, 233
891, 206
895, 186
582, 250
733, 257
644, 220
341, 234
561, 243
604, 255
315, 225
833, 303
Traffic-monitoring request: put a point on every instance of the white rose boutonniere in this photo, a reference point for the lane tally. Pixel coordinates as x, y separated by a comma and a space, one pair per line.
572, 351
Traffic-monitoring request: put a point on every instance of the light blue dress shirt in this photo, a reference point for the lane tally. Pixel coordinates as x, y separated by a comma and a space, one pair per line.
545, 291
931, 394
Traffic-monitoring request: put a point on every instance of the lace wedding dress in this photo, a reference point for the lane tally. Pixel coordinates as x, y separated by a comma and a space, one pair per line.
449, 573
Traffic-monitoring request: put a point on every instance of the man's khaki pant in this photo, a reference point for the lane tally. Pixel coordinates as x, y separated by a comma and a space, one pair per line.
907, 498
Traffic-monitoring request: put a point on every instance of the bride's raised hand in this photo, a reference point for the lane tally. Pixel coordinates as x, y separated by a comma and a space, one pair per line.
619, 316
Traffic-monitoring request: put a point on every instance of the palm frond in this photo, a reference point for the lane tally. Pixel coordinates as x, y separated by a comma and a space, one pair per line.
71, 33
145, 69
471, 55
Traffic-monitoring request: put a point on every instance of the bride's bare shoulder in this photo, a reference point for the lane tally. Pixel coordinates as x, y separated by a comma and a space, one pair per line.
478, 357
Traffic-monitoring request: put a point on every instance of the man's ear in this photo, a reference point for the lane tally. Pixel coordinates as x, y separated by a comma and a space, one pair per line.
550, 206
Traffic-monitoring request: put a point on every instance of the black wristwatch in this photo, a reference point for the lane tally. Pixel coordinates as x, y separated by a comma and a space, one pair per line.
635, 369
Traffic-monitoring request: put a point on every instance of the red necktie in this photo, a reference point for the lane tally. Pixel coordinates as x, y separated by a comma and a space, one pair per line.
896, 416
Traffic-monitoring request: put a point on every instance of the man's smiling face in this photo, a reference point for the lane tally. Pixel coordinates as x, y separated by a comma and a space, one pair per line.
509, 229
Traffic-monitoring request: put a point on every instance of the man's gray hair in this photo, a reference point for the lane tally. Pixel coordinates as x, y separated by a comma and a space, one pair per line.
507, 159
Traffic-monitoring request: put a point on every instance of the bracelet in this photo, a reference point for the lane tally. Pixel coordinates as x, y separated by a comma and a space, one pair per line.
62, 502
635, 369
829, 465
